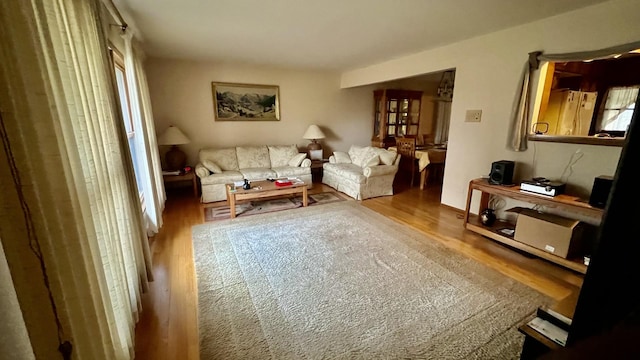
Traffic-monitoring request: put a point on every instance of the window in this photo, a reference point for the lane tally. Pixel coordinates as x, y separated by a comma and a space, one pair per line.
619, 107
590, 101
125, 105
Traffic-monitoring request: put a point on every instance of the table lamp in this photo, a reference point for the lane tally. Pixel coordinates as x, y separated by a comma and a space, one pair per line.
175, 159
314, 148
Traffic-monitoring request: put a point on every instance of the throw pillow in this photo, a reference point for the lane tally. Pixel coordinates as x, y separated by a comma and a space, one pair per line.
371, 161
387, 157
341, 157
297, 160
366, 156
202, 171
211, 166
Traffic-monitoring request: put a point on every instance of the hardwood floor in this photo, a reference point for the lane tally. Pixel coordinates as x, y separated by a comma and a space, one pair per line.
168, 328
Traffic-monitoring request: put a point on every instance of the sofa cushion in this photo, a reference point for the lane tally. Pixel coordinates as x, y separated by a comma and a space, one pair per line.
356, 154
291, 171
225, 158
296, 160
280, 155
212, 166
348, 171
223, 178
253, 157
341, 157
258, 173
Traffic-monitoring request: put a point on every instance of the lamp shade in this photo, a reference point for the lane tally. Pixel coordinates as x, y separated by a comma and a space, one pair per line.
173, 136
313, 132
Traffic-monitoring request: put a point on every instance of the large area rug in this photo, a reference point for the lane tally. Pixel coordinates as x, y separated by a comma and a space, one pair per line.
340, 281
221, 211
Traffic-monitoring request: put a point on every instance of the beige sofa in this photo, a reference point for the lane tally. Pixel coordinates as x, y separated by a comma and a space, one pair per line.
363, 172
217, 167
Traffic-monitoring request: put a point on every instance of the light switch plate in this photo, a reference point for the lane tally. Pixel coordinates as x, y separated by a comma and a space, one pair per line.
473, 116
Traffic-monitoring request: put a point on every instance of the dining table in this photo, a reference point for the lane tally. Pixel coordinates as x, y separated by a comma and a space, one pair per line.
426, 155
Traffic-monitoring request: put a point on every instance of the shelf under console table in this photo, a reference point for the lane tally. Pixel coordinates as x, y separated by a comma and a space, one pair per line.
565, 202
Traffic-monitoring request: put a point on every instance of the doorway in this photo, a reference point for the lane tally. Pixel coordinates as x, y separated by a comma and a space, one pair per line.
433, 134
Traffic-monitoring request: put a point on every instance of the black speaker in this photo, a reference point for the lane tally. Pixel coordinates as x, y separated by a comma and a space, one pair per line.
502, 172
600, 191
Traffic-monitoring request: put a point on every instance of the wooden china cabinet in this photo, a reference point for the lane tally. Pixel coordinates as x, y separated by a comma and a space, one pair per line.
395, 113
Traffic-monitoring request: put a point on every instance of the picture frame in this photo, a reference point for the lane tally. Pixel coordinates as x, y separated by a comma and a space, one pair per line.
245, 102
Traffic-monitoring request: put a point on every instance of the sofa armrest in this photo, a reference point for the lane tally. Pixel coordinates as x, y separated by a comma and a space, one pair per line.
306, 163
201, 171
397, 162
379, 170
332, 159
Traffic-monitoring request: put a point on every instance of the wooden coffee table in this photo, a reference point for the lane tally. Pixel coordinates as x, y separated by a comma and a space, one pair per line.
263, 189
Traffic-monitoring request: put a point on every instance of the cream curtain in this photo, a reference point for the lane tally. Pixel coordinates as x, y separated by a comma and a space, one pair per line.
443, 118
153, 155
71, 221
151, 172
520, 114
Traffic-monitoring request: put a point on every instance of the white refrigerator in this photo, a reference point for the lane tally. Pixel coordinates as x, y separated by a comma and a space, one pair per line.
569, 112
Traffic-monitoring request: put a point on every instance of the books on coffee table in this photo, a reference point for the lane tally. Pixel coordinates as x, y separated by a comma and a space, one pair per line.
283, 182
287, 182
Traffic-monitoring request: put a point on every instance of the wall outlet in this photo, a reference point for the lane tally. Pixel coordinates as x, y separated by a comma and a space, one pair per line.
473, 116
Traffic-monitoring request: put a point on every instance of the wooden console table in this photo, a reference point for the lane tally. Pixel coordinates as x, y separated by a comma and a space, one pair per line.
566, 202
317, 170
537, 344
189, 177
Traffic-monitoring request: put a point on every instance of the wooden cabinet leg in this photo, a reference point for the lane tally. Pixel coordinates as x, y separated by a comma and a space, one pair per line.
195, 186
484, 201
466, 209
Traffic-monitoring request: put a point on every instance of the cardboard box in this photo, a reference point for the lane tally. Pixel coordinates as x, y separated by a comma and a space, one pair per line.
552, 233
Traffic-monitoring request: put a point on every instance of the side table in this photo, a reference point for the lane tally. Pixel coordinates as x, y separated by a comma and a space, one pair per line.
190, 176
316, 170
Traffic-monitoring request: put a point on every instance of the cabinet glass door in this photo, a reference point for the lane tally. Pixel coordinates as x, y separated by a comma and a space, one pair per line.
377, 116
403, 113
413, 117
396, 113
415, 112
392, 118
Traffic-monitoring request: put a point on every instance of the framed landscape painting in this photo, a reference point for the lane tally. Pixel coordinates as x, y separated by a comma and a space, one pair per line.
245, 102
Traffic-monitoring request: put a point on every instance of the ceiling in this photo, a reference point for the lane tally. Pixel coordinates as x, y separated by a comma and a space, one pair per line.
328, 34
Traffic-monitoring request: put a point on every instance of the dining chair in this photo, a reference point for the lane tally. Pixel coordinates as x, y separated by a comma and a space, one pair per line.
407, 149
437, 158
427, 139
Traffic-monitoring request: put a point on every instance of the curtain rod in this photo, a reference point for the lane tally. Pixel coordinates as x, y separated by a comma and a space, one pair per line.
116, 13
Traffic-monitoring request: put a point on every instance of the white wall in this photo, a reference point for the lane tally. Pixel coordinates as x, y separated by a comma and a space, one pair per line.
181, 95
488, 69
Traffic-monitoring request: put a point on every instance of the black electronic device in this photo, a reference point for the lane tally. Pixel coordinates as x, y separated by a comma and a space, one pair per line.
600, 191
502, 172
